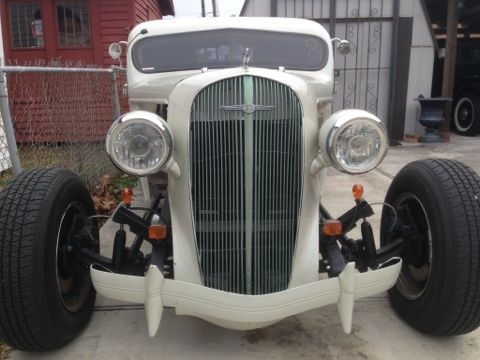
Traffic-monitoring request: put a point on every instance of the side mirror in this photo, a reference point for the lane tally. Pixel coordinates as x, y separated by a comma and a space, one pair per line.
343, 47
115, 50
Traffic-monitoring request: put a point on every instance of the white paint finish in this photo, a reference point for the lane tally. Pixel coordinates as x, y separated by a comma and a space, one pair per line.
187, 292
180, 89
154, 281
306, 258
157, 87
176, 26
243, 312
420, 82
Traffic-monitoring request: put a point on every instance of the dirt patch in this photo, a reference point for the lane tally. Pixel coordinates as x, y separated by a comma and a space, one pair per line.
5, 176
255, 336
303, 337
4, 351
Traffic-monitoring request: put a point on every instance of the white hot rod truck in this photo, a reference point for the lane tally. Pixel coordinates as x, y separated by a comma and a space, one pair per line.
232, 130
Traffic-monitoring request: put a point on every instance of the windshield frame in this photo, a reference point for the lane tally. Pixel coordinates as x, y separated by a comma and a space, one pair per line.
322, 64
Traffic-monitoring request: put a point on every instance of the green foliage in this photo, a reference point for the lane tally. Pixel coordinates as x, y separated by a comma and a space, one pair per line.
124, 181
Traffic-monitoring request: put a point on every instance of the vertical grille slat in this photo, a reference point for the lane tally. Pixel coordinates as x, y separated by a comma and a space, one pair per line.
245, 172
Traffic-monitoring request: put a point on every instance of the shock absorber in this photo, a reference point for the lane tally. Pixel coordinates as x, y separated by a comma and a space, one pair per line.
369, 243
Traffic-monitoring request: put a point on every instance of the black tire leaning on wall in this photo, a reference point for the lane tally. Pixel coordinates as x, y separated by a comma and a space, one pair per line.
447, 300
33, 314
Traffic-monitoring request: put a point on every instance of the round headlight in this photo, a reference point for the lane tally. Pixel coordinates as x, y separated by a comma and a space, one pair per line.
356, 141
139, 143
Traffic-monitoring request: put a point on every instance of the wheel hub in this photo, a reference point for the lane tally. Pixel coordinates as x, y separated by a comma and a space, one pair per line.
416, 269
464, 114
73, 277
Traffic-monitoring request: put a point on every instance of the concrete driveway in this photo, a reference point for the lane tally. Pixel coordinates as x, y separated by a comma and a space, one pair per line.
119, 331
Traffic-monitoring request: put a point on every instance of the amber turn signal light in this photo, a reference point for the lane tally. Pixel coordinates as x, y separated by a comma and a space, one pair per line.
157, 232
127, 195
332, 228
357, 191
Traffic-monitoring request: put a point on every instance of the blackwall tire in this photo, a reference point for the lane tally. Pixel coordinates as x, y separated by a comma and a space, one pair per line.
443, 196
35, 315
466, 115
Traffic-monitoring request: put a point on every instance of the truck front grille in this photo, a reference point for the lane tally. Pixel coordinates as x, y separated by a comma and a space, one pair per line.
246, 183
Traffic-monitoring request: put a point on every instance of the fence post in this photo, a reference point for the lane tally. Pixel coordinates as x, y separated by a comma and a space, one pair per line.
8, 126
115, 96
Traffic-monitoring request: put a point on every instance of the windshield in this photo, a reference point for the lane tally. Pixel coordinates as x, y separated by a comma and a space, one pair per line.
225, 48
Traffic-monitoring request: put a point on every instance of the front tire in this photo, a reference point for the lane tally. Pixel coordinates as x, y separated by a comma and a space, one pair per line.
46, 295
438, 291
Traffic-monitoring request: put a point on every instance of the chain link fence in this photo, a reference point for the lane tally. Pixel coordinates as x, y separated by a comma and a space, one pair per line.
5, 162
60, 116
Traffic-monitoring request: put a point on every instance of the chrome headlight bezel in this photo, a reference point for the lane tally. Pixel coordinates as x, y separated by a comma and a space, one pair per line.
149, 119
337, 123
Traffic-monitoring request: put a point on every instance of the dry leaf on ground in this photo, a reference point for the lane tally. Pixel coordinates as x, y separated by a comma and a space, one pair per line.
4, 351
104, 197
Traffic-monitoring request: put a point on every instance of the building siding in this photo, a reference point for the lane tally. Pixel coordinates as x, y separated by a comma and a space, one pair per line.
115, 23
422, 50
421, 64
118, 17
146, 10
420, 83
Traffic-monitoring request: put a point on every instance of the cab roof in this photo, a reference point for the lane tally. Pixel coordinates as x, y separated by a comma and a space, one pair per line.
184, 25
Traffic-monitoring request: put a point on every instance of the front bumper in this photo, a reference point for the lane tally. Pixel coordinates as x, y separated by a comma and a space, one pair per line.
239, 311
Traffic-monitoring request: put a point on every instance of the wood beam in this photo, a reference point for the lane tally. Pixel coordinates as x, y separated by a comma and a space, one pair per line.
450, 60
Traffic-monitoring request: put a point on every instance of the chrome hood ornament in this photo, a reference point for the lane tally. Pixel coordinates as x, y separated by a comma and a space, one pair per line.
246, 58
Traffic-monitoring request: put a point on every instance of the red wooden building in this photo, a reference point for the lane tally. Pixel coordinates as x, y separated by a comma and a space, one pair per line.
59, 107
72, 29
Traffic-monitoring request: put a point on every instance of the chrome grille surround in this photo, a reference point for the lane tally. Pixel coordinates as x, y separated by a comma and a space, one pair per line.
246, 166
